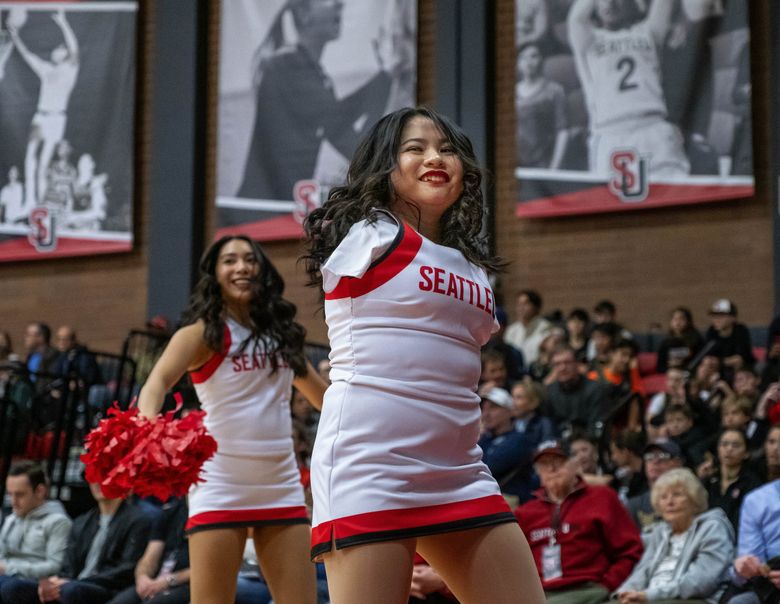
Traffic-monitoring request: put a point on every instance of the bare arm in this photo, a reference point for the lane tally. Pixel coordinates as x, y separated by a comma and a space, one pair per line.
311, 386
35, 63
67, 32
561, 140
187, 350
659, 18
150, 561
580, 26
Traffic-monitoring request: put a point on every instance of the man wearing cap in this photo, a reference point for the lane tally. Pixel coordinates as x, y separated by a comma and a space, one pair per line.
659, 457
582, 538
506, 452
732, 344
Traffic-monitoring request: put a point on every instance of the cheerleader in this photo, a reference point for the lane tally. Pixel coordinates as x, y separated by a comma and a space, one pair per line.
399, 254
244, 352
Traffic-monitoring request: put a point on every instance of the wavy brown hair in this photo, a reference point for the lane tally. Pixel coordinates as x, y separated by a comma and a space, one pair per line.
272, 318
368, 187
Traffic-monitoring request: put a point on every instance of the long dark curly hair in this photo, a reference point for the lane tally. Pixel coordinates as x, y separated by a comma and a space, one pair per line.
369, 186
272, 318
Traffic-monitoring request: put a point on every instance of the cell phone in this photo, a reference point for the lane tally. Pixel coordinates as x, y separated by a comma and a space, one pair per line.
774, 563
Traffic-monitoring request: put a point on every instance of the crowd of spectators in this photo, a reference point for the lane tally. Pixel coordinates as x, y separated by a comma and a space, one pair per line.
659, 472
637, 475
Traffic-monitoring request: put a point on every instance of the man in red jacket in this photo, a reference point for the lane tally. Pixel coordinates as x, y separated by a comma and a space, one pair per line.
583, 540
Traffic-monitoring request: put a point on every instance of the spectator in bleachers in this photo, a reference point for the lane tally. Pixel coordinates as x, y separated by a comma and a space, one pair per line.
732, 344
706, 393
769, 465
737, 412
581, 536
746, 383
674, 394
585, 453
681, 343
506, 452
626, 449
606, 312
758, 545
622, 373
660, 456
494, 372
603, 338
572, 399
577, 325
686, 555
692, 438
535, 429
104, 546
728, 477
162, 575
541, 369
513, 358
37, 344
530, 328
74, 357
34, 536
771, 371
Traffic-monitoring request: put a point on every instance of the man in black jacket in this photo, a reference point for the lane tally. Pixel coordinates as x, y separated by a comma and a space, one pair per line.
103, 548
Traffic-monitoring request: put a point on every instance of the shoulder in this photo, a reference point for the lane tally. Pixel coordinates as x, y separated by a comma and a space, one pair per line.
367, 243
191, 334
762, 494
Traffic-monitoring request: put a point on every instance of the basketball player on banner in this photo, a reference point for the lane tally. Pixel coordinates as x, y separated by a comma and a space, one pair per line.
617, 50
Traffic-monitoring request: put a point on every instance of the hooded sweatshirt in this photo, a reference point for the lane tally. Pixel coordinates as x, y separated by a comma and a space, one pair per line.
702, 566
34, 546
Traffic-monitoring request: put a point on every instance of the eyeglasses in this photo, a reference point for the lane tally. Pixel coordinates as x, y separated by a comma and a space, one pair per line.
657, 456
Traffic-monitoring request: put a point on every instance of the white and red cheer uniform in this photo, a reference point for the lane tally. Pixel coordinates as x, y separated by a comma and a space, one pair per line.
396, 454
253, 478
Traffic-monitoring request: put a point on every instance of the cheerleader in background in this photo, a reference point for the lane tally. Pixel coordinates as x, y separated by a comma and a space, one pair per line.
244, 352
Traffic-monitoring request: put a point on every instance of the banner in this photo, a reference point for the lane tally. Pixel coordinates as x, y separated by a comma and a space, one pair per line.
300, 83
631, 104
67, 100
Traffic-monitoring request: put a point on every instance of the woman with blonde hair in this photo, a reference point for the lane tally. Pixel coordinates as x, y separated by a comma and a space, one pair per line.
688, 554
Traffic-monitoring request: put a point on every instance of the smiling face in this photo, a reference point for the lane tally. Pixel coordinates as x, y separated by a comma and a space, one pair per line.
429, 174
236, 269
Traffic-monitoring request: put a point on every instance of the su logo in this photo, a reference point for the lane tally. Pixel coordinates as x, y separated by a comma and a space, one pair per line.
42, 233
629, 175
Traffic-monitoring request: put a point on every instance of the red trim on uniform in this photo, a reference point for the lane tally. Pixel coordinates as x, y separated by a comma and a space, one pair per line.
400, 519
209, 367
260, 515
398, 260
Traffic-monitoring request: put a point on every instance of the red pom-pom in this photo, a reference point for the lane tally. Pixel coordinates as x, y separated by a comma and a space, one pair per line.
162, 458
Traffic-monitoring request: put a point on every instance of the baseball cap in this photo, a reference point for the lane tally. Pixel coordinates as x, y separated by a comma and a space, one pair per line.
500, 397
552, 447
666, 445
723, 306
